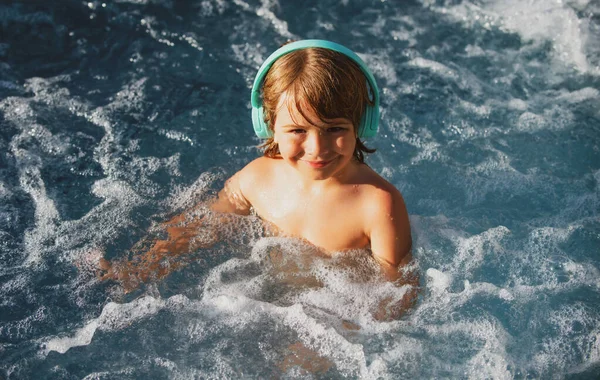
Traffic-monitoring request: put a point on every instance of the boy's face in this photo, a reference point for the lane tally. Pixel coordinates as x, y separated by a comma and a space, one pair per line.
318, 150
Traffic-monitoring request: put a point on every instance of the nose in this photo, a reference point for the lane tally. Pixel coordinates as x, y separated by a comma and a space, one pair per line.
316, 143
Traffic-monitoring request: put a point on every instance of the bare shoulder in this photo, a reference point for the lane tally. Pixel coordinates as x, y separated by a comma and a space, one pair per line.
257, 166
255, 172
238, 192
380, 195
386, 218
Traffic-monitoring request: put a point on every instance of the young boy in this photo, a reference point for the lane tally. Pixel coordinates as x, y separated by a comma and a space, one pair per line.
318, 99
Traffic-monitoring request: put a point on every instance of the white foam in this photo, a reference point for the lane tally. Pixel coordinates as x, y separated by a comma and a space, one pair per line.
517, 104
107, 218
351, 301
82, 337
481, 111
349, 358
505, 295
208, 7
177, 136
488, 337
541, 267
442, 301
20, 114
474, 51
439, 281
114, 316
49, 225
435, 67
403, 351
555, 118
576, 340
585, 94
421, 138
48, 90
490, 364
496, 174
249, 54
531, 122
23, 329
535, 20
139, 2
464, 130
112, 215
549, 20
348, 285
4, 191
382, 66
471, 251
266, 13
185, 197
241, 3
228, 304
214, 286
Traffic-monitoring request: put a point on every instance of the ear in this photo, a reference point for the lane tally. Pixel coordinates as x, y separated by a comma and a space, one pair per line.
272, 131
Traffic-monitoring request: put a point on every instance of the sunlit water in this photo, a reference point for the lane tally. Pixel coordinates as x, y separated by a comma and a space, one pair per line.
117, 115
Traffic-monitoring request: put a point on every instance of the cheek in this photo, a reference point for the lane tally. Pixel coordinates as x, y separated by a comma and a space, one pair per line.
289, 145
346, 143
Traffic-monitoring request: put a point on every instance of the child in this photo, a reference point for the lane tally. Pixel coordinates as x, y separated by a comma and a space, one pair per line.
318, 99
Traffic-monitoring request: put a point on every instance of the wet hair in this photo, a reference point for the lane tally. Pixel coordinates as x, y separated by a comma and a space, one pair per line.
328, 82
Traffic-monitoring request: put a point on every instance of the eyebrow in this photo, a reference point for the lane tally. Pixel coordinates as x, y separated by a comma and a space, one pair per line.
333, 124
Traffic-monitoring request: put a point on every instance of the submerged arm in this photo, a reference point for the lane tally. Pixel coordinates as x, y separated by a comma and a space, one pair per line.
185, 233
231, 199
405, 276
155, 258
391, 245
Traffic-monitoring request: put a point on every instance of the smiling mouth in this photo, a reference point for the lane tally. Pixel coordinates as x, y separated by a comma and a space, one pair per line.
318, 164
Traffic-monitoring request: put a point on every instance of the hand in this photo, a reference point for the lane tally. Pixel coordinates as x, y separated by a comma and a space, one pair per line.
407, 277
155, 259
117, 272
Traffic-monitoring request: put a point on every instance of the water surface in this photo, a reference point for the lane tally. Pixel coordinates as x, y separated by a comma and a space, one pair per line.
116, 115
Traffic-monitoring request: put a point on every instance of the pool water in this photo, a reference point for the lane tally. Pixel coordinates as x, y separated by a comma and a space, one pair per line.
116, 115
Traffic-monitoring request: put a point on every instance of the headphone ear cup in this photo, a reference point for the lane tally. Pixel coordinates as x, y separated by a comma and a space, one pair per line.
365, 123
369, 122
258, 122
374, 126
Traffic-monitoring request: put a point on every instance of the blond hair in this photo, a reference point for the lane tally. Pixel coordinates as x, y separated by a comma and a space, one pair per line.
328, 82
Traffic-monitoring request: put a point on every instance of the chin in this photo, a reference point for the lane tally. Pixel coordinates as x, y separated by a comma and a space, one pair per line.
319, 175
336, 167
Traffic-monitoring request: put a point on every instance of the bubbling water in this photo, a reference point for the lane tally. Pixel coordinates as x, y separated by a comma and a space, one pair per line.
116, 116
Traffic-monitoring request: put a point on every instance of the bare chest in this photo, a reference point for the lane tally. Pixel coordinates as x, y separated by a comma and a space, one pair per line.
331, 221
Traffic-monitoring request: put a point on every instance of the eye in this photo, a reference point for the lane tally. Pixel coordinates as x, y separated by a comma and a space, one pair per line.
297, 131
336, 129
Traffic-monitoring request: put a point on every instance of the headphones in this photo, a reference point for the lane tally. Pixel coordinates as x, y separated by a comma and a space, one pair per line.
370, 118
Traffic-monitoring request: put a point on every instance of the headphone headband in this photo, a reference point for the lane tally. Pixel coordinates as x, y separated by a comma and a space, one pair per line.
370, 120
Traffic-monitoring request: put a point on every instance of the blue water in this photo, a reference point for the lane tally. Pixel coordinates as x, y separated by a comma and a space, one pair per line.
115, 116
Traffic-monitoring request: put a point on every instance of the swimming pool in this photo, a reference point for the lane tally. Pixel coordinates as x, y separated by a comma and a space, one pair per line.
116, 115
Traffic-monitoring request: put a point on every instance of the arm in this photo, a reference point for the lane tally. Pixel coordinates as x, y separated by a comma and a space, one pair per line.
391, 245
156, 258
231, 199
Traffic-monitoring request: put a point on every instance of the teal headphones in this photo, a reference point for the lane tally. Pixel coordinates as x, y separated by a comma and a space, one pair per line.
370, 119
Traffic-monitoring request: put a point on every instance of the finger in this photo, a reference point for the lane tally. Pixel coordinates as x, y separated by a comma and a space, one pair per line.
104, 264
